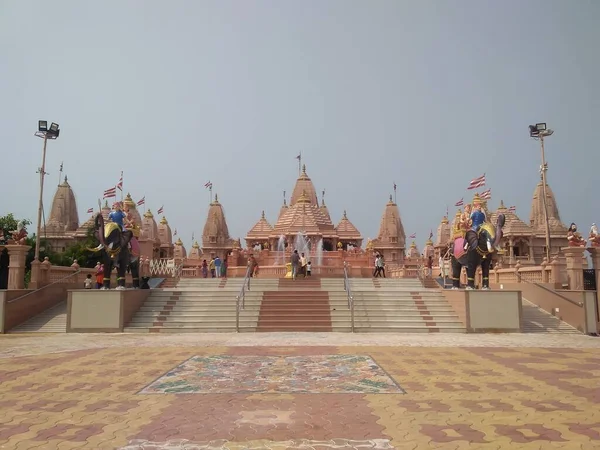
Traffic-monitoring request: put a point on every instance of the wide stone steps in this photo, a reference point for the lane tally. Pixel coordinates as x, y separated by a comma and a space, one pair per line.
53, 320
536, 320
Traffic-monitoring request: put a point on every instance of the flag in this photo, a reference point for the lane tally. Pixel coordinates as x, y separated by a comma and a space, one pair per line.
460, 202
486, 195
512, 209
192, 237
160, 210
430, 234
208, 185
395, 186
61, 167
90, 211
477, 182
120, 183
413, 236
299, 157
142, 201
175, 232
112, 192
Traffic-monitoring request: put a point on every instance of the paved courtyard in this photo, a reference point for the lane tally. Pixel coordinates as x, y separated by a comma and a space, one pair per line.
299, 391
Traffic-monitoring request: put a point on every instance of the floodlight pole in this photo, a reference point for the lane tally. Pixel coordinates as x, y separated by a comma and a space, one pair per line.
42, 172
544, 191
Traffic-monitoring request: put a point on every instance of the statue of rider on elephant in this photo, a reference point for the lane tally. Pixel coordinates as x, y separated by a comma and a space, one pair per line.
119, 246
475, 240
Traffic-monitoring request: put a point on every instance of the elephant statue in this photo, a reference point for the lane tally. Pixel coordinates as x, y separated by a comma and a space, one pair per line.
114, 245
474, 250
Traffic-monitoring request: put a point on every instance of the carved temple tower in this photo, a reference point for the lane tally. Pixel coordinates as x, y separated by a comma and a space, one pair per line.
391, 240
215, 236
304, 217
63, 220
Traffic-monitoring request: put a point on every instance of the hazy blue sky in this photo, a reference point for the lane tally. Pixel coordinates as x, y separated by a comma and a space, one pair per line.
427, 94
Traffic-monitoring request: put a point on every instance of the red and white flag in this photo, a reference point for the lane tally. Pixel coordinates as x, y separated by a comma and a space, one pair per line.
477, 182
160, 210
112, 192
413, 236
142, 201
90, 211
460, 202
208, 185
486, 195
120, 183
512, 209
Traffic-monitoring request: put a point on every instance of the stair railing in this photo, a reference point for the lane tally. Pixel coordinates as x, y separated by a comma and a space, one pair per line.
45, 286
240, 301
349, 296
549, 290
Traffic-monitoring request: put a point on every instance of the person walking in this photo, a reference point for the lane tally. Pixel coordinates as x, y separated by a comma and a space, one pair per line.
303, 263
211, 267
429, 266
218, 266
295, 264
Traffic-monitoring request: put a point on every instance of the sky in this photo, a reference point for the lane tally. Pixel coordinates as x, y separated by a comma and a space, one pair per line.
424, 94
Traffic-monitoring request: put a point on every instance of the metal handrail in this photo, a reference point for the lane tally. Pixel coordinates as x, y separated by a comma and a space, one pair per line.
240, 300
45, 286
552, 291
349, 296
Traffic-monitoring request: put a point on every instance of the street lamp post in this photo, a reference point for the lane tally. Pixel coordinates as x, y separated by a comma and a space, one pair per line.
45, 133
540, 131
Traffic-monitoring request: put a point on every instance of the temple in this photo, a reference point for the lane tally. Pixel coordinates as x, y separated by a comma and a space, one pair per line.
63, 228
522, 242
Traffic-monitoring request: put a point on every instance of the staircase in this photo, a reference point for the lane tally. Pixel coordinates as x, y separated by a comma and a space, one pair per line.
401, 305
297, 305
53, 320
536, 320
200, 305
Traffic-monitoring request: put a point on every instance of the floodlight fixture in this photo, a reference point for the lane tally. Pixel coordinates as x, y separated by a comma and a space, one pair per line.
42, 126
540, 126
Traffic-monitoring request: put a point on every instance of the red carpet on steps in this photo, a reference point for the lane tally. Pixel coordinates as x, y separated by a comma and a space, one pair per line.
297, 306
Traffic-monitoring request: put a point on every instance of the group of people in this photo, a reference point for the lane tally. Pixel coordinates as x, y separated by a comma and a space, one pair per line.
379, 266
216, 268
300, 265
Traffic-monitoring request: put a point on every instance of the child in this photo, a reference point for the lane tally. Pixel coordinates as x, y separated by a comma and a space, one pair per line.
87, 284
308, 269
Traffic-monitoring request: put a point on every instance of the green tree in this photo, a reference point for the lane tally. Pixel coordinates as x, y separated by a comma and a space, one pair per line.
9, 222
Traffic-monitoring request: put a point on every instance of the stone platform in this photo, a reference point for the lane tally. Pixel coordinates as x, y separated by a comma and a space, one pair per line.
299, 391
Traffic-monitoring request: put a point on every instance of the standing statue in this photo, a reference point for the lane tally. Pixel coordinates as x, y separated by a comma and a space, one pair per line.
594, 236
574, 237
475, 239
114, 245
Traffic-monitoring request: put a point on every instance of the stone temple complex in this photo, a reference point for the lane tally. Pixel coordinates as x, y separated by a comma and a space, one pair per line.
305, 223
522, 242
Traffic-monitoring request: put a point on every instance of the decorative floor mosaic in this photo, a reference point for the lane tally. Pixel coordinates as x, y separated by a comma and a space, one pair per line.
317, 374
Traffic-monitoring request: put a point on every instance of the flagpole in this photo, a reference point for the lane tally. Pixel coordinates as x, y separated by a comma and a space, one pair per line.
395, 194
60, 173
300, 164
210, 190
121, 186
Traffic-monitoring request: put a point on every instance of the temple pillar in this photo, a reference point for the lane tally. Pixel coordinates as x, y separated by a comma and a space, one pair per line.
574, 259
35, 281
146, 248
16, 266
530, 249
595, 255
511, 252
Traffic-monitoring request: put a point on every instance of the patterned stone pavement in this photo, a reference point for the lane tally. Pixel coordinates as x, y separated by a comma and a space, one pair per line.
378, 396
